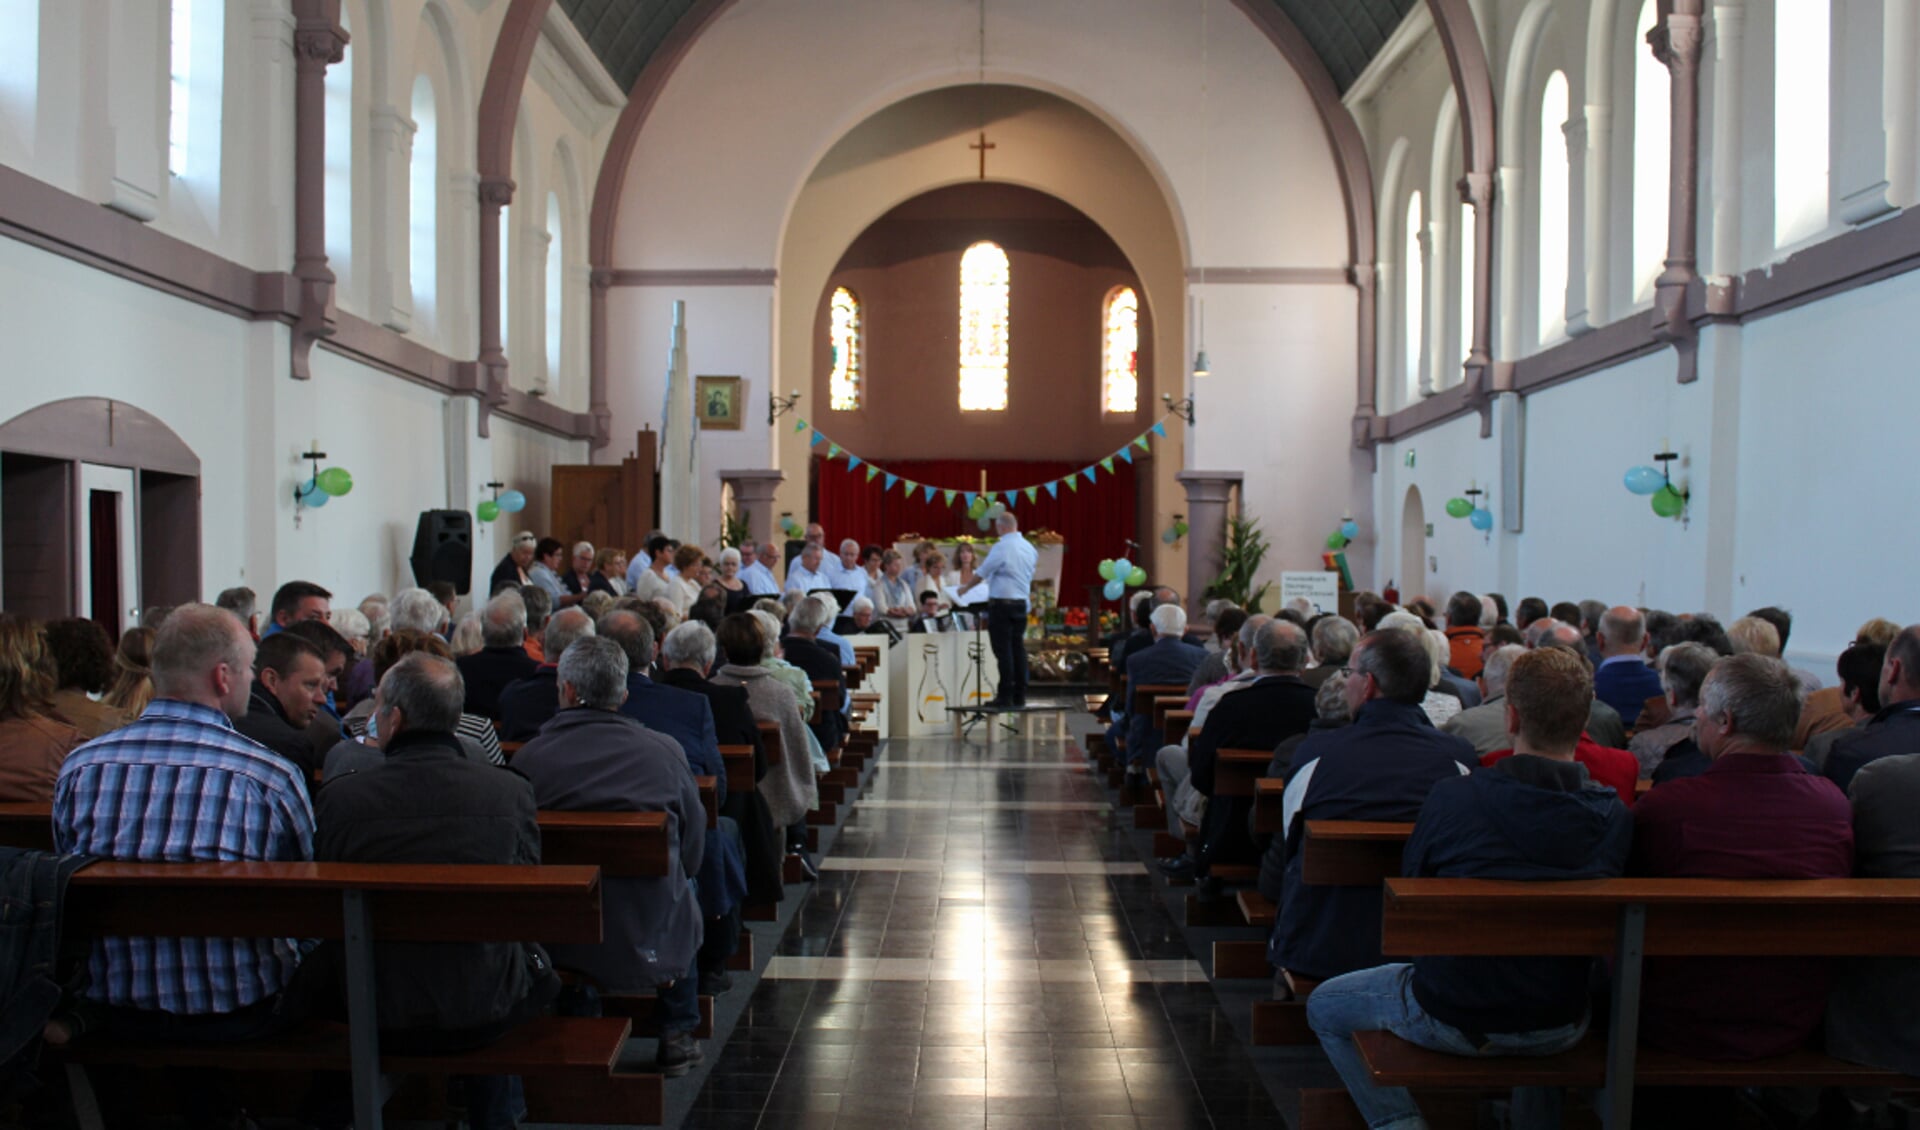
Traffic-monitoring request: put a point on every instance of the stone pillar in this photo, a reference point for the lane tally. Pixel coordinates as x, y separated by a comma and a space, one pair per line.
1595, 200
1208, 495
1575, 132
597, 405
318, 42
1676, 42
1729, 51
389, 165
753, 493
1861, 187
495, 193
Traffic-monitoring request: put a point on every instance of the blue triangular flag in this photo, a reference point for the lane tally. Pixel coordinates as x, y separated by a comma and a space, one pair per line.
817, 437
1090, 473
1125, 453
968, 495
1013, 496
1160, 429
891, 479
852, 462
929, 494
1053, 489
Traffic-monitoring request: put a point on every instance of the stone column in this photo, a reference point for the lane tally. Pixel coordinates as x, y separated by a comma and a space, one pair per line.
1208, 496
1861, 188
318, 42
1596, 199
1423, 383
1729, 35
389, 167
1578, 319
597, 406
495, 193
1676, 42
1512, 178
753, 494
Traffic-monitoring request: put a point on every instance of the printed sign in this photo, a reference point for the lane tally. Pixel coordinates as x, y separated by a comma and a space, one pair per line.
1322, 590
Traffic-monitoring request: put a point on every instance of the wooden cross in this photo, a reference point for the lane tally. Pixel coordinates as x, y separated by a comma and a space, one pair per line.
983, 145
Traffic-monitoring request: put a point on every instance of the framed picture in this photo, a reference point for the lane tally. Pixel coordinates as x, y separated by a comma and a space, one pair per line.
717, 400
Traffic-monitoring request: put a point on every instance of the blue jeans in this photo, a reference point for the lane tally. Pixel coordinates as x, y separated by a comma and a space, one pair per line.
1381, 999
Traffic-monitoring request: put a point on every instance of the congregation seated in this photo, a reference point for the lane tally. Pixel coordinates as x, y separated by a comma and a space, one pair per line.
1441, 700
1683, 668
1533, 816
34, 739
1466, 634
589, 757
804, 647
1870, 1013
1615, 768
1332, 638
1859, 670
1379, 767
296, 601
790, 789
511, 570
1330, 712
502, 658
1169, 659
526, 704
439, 997
289, 688
359, 748
1485, 726
1622, 678
1217, 665
335, 653
1186, 805
82, 667
1895, 728
679, 714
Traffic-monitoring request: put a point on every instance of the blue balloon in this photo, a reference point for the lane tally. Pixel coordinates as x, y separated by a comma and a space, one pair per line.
1350, 529
1645, 480
512, 502
1169, 537
1481, 519
1115, 589
1121, 567
312, 496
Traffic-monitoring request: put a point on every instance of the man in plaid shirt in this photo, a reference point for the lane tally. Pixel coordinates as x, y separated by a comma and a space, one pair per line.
181, 785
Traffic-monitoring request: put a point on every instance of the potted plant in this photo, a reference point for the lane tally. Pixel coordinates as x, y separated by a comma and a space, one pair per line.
1240, 559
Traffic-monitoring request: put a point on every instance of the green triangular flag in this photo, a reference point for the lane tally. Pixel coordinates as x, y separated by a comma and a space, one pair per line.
1140, 441
950, 495
1033, 493
833, 449
912, 486
800, 426
1073, 483
872, 471
1107, 464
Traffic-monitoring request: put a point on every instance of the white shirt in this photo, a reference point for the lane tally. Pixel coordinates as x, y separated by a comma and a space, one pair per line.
1212, 696
637, 566
1009, 568
802, 579
652, 586
760, 580
853, 580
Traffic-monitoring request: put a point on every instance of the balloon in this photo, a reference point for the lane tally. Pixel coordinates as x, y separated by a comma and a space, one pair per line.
1106, 569
1645, 480
1482, 519
335, 481
1459, 507
1137, 576
1169, 537
986, 523
1114, 590
997, 510
312, 496
1180, 529
1336, 540
487, 511
977, 508
1668, 502
512, 502
1349, 529
1122, 567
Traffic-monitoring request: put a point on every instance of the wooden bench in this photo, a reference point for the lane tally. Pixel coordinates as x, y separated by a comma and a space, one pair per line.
1178, 723
1626, 921
1164, 704
569, 1064
739, 762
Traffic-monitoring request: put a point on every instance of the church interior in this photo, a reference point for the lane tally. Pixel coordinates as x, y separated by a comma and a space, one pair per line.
1070, 364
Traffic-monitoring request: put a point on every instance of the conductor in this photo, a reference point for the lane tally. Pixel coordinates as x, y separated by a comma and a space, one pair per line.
1008, 571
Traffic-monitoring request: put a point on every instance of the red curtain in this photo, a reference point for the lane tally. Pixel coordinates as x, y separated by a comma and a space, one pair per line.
1097, 521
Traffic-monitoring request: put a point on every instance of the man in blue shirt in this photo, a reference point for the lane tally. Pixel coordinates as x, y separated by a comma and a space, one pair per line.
760, 576
1008, 571
808, 575
1622, 679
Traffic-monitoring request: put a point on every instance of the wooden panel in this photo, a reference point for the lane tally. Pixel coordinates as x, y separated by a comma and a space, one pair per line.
169, 539
1269, 804
546, 1046
1352, 853
1240, 960
1177, 722
27, 826
770, 741
1257, 909
37, 536
1235, 771
1395, 1062
624, 845
739, 762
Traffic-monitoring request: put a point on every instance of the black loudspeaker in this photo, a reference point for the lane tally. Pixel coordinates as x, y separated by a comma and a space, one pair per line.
443, 549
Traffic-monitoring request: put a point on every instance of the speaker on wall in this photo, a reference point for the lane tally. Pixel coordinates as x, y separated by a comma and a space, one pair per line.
443, 549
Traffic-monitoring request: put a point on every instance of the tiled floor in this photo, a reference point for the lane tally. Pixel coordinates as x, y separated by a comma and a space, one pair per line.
984, 950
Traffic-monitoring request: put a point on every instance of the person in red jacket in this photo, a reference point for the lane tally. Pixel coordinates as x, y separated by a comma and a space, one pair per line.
1616, 768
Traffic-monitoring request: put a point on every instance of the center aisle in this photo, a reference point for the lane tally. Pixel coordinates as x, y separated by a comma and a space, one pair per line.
984, 950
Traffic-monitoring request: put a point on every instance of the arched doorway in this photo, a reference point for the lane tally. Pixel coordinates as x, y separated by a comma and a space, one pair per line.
1413, 545
99, 513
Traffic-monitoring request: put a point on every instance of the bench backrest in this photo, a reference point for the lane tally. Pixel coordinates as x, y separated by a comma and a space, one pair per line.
407, 902
770, 741
1684, 917
1235, 770
1145, 693
1352, 853
827, 694
739, 763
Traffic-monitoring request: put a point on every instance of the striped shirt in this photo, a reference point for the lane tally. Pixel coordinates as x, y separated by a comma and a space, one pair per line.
180, 785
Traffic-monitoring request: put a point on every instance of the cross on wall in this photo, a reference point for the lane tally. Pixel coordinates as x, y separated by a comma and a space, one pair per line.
982, 146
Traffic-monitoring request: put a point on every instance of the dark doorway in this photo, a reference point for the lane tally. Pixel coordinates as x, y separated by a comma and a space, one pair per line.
103, 559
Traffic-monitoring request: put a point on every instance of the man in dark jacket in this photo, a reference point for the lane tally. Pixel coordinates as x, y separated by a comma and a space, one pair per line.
1896, 728
289, 688
1261, 715
681, 715
1380, 767
1622, 678
1534, 816
440, 997
1168, 660
802, 648
503, 659
525, 705
591, 758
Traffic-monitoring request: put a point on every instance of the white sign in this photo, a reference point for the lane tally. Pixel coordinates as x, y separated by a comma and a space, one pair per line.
1322, 590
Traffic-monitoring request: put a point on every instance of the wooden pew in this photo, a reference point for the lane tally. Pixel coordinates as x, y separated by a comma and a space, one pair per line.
569, 1064
1626, 920
1178, 723
1164, 704
1235, 773
739, 762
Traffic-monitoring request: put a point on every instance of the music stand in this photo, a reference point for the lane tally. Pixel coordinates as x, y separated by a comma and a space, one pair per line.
972, 714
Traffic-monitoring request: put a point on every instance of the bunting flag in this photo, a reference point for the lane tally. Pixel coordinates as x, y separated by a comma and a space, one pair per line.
1125, 453
872, 471
1033, 494
929, 497
950, 495
968, 496
1107, 464
911, 487
1090, 473
817, 438
1073, 483
1140, 441
852, 461
892, 479
1053, 489
1160, 429
833, 449
800, 426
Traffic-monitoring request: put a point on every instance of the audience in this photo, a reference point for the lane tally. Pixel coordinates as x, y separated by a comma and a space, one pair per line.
335, 652
789, 786
82, 664
1870, 1013
545, 571
293, 602
1859, 671
1218, 663
1895, 728
511, 572
132, 685
358, 749
1623, 680
1683, 668
591, 758
1333, 639
34, 739
1534, 816
1435, 703
1169, 659
680, 715
804, 646
289, 687
502, 658
1485, 726
539, 604
1615, 768
526, 704
1466, 635
240, 601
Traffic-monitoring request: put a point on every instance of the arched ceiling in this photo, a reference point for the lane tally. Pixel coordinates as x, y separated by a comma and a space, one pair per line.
1345, 34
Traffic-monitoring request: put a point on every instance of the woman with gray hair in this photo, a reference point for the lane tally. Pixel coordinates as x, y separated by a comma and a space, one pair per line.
1438, 707
789, 786
1683, 668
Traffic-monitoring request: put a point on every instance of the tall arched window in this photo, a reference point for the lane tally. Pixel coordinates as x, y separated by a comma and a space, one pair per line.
1469, 237
179, 84
506, 277
339, 162
556, 284
1556, 182
19, 68
984, 288
1802, 30
1120, 375
423, 205
843, 345
1652, 131
1411, 267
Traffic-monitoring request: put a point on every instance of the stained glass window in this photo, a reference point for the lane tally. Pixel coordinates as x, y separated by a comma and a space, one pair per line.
843, 337
983, 329
1120, 377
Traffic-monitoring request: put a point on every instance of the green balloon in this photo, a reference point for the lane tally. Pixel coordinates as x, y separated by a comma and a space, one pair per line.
488, 510
1338, 540
1180, 529
1459, 507
1138, 577
1106, 569
1667, 502
336, 481
978, 509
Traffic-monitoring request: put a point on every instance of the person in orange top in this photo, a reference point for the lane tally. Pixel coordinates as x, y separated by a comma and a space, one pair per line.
33, 741
1465, 640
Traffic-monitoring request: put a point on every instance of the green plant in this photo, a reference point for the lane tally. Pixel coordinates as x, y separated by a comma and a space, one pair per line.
734, 530
1240, 559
